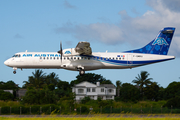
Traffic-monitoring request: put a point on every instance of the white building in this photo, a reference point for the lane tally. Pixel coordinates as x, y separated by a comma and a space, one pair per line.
87, 89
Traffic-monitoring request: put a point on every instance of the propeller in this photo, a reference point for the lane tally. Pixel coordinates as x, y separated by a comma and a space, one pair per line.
61, 51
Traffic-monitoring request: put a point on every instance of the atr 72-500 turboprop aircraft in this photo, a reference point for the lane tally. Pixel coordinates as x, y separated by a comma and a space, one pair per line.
83, 59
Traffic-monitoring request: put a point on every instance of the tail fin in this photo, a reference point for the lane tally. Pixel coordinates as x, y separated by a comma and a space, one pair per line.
160, 45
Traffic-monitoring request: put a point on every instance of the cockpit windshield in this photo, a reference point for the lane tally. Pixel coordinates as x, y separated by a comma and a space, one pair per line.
16, 55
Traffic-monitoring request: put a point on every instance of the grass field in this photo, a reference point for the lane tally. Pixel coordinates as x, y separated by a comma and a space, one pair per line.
96, 117
92, 118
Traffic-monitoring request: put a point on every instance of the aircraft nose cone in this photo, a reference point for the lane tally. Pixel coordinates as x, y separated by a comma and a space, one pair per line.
6, 63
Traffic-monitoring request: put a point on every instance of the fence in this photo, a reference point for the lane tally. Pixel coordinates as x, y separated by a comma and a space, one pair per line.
35, 110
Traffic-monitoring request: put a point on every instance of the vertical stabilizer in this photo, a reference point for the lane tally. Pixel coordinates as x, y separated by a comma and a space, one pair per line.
160, 45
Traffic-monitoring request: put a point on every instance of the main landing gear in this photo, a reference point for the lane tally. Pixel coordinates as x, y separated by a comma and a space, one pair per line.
81, 71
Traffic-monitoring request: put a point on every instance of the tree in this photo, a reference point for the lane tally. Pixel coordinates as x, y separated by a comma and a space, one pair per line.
52, 78
172, 90
152, 91
64, 89
142, 80
9, 85
118, 87
90, 77
37, 80
129, 92
5, 95
39, 96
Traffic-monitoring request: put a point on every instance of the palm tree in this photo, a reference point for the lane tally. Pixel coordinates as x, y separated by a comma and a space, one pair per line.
142, 80
37, 80
52, 78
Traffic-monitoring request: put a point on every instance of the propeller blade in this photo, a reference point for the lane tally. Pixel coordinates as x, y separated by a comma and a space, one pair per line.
61, 51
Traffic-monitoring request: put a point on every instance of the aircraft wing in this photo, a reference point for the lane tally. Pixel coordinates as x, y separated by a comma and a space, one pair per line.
83, 48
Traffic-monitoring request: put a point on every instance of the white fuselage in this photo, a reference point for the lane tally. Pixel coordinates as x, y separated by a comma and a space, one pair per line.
97, 60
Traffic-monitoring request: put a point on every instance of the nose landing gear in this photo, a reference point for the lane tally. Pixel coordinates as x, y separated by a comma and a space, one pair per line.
14, 72
14, 68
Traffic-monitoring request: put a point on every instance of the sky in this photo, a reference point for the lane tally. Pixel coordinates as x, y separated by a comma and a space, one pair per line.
116, 26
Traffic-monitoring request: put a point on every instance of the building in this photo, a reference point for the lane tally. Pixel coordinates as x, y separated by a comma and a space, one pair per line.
10, 91
20, 93
87, 89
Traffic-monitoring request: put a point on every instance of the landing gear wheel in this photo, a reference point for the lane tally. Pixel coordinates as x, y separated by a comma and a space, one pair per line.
81, 72
14, 72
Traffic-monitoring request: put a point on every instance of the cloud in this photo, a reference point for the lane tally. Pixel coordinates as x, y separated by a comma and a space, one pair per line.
107, 33
68, 5
136, 31
18, 36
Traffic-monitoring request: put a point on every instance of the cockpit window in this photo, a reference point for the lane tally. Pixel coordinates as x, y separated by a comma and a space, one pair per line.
17, 55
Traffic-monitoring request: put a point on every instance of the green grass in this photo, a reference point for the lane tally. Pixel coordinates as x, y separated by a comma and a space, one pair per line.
89, 118
9, 103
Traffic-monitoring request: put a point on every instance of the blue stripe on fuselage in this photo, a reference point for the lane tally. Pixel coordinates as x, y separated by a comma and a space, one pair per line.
125, 62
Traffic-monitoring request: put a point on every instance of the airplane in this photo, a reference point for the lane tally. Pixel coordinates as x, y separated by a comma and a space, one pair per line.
81, 58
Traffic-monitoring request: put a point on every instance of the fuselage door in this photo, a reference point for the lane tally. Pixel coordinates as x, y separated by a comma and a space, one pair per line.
130, 60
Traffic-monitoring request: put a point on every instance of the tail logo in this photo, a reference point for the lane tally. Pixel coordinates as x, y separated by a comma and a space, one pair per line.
160, 41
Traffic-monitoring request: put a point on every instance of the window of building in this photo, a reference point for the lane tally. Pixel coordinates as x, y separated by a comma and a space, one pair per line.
80, 91
102, 89
93, 89
110, 90
88, 90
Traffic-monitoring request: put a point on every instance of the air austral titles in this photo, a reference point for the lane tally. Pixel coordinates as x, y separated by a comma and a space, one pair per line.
81, 58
